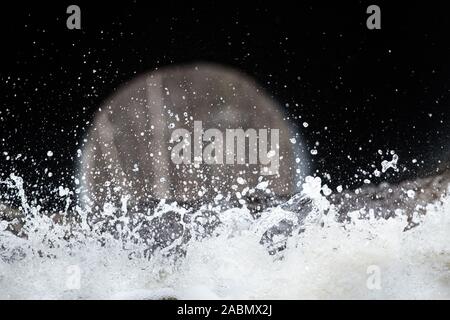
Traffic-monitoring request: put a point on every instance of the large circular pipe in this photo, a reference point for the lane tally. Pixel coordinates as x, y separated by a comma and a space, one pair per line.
170, 134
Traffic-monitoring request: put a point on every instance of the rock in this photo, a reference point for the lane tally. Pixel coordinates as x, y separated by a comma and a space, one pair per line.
11, 219
409, 196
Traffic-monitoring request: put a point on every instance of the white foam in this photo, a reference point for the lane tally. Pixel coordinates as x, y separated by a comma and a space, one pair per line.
328, 260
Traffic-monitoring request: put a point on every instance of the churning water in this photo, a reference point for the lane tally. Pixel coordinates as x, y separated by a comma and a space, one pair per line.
362, 258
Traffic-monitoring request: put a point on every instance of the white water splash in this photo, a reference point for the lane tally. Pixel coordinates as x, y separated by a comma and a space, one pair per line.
327, 260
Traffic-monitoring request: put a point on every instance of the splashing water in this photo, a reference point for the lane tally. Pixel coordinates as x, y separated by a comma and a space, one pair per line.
322, 259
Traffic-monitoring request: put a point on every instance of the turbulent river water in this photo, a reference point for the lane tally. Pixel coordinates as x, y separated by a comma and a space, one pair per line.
361, 258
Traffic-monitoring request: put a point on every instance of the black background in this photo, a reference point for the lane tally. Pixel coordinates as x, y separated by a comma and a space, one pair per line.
168, 309
374, 90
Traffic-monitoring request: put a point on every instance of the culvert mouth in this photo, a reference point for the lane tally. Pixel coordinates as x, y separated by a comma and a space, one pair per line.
191, 133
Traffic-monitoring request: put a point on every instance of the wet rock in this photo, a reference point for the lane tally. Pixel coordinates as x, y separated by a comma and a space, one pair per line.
385, 200
11, 220
275, 238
